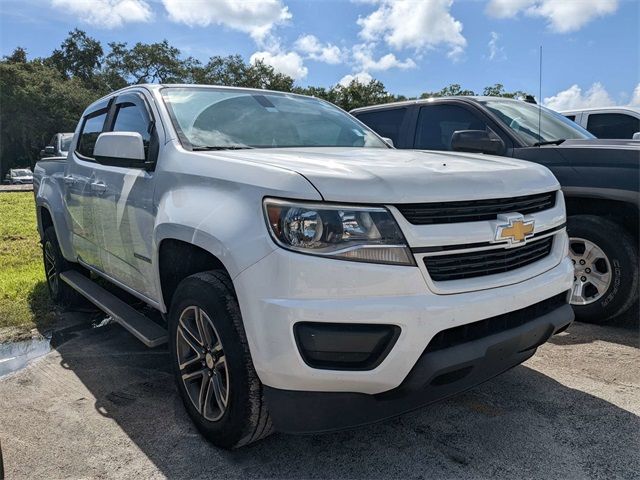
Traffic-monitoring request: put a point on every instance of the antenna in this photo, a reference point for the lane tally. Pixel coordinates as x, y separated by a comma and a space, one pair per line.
540, 99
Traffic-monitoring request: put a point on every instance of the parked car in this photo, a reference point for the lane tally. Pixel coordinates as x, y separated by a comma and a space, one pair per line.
58, 146
311, 277
599, 179
610, 122
19, 176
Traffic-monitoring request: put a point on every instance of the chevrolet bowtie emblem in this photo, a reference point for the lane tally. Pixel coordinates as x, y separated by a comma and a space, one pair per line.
513, 229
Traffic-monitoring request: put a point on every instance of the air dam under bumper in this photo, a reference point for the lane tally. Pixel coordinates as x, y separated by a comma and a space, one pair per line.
437, 375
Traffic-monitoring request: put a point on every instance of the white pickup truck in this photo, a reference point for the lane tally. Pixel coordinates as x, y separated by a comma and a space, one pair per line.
311, 277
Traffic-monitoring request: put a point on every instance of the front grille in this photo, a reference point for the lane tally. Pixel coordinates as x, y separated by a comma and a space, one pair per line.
486, 262
474, 210
455, 336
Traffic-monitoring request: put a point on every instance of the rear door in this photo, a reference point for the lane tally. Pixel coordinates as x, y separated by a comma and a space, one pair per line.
78, 191
438, 121
391, 123
124, 206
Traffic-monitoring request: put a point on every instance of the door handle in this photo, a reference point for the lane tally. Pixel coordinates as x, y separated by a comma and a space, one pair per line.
69, 179
98, 187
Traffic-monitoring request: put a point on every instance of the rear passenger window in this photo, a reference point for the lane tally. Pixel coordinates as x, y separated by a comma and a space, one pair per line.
92, 127
436, 124
129, 118
385, 123
613, 125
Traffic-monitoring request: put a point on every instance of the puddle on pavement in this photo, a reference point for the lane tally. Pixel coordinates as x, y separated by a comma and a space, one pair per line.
16, 355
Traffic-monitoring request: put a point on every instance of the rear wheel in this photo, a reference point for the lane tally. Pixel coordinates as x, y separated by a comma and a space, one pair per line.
54, 264
606, 268
212, 364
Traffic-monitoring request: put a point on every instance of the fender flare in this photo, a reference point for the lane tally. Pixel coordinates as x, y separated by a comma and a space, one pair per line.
49, 197
193, 236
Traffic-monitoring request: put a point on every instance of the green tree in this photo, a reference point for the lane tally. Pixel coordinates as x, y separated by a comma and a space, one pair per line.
79, 56
145, 63
452, 90
37, 101
233, 71
498, 90
330, 94
19, 55
358, 94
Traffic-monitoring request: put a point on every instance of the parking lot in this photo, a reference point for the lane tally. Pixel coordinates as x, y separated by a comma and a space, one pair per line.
102, 405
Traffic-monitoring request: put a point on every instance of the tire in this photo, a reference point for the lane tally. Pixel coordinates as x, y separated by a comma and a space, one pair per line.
226, 368
54, 264
619, 257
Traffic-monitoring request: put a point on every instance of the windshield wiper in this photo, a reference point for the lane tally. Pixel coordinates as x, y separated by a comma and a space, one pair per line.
549, 142
200, 148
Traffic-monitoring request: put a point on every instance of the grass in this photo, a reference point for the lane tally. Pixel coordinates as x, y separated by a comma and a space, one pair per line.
24, 299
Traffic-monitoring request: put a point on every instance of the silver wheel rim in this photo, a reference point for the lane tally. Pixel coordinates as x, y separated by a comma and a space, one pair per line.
592, 271
50, 268
202, 363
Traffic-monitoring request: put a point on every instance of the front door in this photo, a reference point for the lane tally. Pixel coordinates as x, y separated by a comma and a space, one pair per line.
124, 208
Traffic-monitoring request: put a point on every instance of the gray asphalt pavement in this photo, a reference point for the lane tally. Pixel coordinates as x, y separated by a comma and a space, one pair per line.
16, 188
103, 406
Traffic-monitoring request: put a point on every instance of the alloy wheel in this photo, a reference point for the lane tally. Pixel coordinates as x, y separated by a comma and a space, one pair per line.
592, 271
202, 363
50, 270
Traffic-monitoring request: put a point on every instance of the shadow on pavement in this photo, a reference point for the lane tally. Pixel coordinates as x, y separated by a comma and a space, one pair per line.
521, 424
579, 333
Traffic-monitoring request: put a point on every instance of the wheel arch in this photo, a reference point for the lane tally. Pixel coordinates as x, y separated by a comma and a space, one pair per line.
181, 254
619, 211
50, 211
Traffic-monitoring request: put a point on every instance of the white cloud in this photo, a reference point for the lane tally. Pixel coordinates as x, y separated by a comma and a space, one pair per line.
314, 49
635, 98
563, 16
409, 24
289, 63
496, 52
507, 8
256, 18
363, 59
573, 97
106, 13
362, 77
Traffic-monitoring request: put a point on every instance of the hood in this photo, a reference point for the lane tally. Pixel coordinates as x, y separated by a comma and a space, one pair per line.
607, 143
372, 175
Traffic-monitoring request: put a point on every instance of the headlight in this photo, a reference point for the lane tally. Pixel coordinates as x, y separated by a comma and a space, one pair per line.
364, 234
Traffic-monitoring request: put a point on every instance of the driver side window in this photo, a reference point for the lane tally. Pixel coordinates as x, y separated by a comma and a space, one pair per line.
129, 118
437, 123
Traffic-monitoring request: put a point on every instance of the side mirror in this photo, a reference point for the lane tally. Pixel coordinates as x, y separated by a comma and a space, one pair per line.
120, 149
49, 151
388, 141
636, 136
476, 141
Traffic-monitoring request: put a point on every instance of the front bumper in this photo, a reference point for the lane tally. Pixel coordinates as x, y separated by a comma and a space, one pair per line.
285, 288
436, 375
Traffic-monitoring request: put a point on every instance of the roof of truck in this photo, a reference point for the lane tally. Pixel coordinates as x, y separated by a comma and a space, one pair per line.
468, 98
602, 109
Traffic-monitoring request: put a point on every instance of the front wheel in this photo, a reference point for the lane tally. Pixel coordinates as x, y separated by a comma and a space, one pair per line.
606, 268
211, 362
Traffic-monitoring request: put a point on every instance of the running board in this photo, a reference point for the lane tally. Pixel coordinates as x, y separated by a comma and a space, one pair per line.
142, 327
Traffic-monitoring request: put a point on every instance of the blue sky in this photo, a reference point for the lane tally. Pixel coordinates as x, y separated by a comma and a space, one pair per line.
591, 47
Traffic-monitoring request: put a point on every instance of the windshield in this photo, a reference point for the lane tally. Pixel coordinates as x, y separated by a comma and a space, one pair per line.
522, 118
20, 172
65, 141
210, 118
